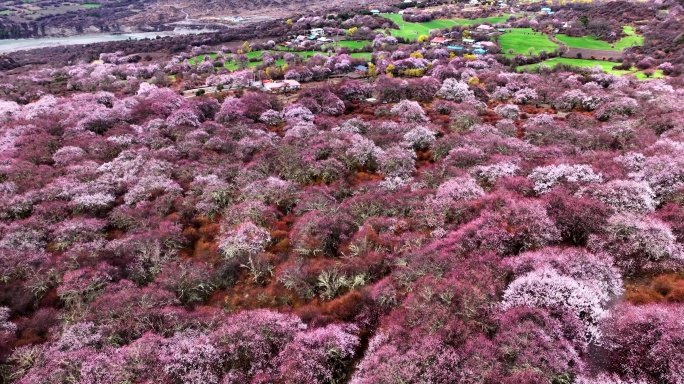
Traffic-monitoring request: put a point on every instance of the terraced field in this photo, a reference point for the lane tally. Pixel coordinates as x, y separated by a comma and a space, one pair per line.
26, 10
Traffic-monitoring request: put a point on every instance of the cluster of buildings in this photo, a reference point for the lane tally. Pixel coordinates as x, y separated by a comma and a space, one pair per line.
315, 35
468, 45
501, 4
268, 86
234, 19
280, 86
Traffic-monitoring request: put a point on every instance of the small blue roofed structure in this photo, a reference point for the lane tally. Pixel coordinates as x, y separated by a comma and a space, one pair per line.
361, 68
479, 51
501, 30
547, 11
455, 48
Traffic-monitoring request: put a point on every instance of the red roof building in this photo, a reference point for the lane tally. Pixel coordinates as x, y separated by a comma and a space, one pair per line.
438, 40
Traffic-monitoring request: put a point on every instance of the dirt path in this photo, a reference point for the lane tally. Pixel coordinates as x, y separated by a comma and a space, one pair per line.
553, 39
597, 54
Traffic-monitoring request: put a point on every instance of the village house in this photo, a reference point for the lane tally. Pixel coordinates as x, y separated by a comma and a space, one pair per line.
439, 40
487, 44
280, 86
316, 32
484, 28
361, 68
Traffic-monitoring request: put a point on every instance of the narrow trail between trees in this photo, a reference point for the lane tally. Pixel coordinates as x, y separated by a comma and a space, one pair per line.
552, 38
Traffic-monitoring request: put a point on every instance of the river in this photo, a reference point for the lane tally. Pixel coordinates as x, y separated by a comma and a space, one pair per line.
13, 45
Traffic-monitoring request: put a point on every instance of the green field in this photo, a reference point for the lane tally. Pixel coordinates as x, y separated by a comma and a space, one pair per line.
413, 30
351, 44
658, 74
589, 42
606, 66
230, 64
520, 40
629, 41
257, 54
90, 5
362, 55
198, 59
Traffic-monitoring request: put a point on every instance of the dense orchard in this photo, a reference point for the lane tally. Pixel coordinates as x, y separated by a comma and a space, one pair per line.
445, 221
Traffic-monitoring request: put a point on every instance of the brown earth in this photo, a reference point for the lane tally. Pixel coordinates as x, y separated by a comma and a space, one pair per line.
596, 54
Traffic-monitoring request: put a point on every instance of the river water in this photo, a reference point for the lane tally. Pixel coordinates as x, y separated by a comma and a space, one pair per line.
13, 45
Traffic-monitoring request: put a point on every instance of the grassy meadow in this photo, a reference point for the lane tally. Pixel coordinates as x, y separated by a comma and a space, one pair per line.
606, 66
588, 42
413, 30
520, 40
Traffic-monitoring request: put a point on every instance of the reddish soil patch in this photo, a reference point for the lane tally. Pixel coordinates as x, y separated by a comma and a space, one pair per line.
657, 289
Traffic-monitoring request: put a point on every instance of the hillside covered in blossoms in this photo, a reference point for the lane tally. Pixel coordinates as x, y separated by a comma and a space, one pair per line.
399, 213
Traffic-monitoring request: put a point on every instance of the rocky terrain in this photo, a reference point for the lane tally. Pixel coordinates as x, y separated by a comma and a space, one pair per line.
46, 19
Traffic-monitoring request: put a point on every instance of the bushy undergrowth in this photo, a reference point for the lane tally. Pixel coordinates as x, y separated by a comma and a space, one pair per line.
482, 227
